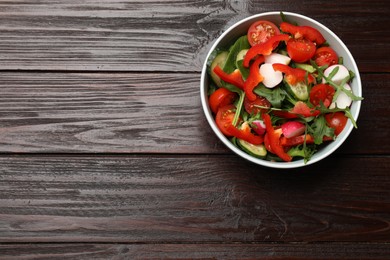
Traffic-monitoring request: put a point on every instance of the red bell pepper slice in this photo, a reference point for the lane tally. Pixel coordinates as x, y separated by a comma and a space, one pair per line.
234, 78
293, 75
245, 134
267, 143
254, 78
296, 140
300, 139
285, 114
274, 139
307, 32
265, 48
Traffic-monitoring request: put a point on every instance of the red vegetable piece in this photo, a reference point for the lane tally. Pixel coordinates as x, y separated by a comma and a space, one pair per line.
293, 75
267, 144
274, 139
252, 106
260, 31
325, 56
224, 118
300, 139
337, 121
234, 78
265, 48
221, 97
300, 50
259, 127
296, 140
285, 114
245, 134
301, 108
253, 79
293, 128
322, 93
312, 34
307, 32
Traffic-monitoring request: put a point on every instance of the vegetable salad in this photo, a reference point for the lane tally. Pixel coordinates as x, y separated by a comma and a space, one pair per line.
280, 92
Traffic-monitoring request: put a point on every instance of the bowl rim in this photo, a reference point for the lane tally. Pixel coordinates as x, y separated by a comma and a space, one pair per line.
281, 165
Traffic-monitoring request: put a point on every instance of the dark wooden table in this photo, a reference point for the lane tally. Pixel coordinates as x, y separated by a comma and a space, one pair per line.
105, 152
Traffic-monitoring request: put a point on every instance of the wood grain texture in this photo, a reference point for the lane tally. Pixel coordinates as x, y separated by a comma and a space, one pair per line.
195, 251
105, 152
139, 113
171, 199
164, 35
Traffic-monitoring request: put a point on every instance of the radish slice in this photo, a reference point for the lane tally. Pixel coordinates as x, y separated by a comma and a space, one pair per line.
277, 58
271, 77
259, 127
341, 74
342, 101
292, 129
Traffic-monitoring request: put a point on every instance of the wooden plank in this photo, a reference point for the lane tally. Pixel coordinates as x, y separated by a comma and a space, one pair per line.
112, 35
138, 113
171, 199
102, 113
196, 251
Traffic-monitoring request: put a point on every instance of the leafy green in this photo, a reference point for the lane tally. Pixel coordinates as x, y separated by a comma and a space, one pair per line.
346, 111
284, 19
231, 87
338, 87
230, 66
319, 129
305, 66
212, 89
304, 151
239, 106
275, 96
241, 44
244, 71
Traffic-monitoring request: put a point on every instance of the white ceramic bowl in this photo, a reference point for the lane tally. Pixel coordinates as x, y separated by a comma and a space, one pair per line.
239, 29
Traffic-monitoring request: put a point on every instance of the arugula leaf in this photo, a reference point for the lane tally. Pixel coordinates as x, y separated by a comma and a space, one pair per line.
346, 111
241, 44
303, 151
319, 129
275, 96
239, 106
338, 87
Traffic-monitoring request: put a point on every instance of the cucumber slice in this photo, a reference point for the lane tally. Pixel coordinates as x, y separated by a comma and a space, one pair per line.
220, 60
241, 54
306, 67
299, 91
239, 64
258, 151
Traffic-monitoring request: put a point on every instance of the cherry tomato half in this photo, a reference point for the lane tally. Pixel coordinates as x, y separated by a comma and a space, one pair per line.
337, 121
322, 93
224, 118
325, 56
250, 106
261, 31
300, 50
221, 97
